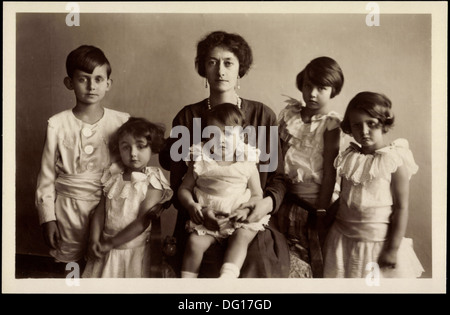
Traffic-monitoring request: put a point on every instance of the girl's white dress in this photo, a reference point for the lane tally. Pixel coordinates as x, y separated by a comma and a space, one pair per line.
130, 260
358, 234
223, 188
303, 159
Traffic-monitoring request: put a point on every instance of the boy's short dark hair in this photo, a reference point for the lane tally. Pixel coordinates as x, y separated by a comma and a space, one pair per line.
322, 71
232, 42
86, 58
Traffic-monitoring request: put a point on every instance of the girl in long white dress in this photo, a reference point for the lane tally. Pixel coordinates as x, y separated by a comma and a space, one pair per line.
372, 218
121, 224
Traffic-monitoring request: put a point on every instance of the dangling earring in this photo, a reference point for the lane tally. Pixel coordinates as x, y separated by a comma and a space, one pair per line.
238, 84
206, 83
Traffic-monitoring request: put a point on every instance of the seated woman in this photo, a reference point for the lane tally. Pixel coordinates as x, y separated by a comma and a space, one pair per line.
223, 59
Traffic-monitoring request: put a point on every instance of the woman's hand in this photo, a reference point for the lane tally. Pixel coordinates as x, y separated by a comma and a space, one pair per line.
214, 221
258, 208
240, 215
388, 258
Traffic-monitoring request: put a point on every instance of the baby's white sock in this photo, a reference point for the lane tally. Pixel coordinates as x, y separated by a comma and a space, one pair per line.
188, 274
229, 270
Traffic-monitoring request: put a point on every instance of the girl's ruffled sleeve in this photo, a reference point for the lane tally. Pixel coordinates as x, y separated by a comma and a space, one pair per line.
352, 165
111, 181
156, 179
293, 109
406, 158
333, 121
391, 157
200, 160
109, 172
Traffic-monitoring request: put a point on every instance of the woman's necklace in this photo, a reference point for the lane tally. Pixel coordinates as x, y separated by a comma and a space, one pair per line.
238, 102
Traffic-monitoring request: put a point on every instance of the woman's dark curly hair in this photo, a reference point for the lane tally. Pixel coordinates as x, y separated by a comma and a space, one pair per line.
233, 42
139, 127
376, 105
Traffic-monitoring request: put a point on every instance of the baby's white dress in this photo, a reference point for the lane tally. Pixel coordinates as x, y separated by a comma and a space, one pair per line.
130, 260
224, 188
358, 234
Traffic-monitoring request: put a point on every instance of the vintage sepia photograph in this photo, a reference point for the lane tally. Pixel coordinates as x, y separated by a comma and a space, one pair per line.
252, 147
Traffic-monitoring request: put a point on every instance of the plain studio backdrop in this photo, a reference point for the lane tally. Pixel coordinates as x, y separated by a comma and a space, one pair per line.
152, 58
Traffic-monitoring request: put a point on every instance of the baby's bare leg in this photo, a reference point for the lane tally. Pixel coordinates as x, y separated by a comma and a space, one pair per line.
195, 248
237, 249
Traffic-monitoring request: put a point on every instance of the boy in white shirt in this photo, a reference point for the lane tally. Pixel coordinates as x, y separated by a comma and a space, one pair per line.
75, 154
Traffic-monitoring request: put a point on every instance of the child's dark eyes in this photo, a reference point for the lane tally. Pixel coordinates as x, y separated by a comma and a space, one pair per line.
124, 147
97, 80
370, 124
310, 86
